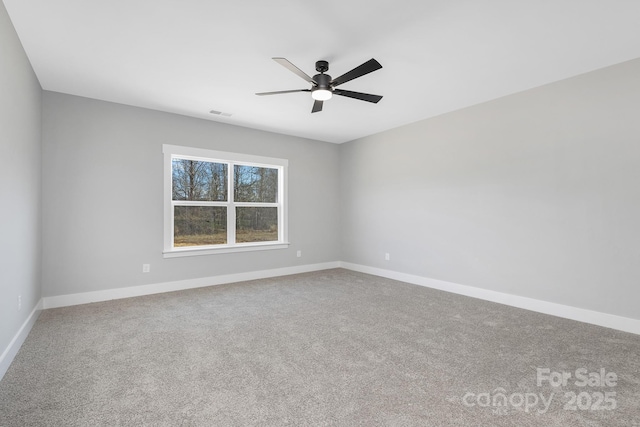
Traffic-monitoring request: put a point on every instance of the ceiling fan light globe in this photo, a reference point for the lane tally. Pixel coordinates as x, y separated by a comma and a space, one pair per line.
321, 94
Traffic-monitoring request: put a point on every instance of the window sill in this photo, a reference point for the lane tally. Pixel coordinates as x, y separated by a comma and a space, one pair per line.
177, 253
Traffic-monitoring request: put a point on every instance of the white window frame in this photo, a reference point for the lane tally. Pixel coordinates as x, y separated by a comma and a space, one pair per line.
176, 151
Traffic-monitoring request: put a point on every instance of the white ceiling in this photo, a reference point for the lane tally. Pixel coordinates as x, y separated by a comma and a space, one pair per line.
193, 56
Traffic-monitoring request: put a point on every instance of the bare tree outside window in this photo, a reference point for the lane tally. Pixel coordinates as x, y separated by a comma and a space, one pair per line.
195, 180
200, 212
256, 185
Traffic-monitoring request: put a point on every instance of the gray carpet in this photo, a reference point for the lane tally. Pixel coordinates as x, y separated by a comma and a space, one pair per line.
328, 348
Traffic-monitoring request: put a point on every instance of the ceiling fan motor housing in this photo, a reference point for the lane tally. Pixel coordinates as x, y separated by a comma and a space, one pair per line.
322, 90
322, 80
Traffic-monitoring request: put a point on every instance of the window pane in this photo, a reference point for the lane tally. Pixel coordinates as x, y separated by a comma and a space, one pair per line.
199, 225
255, 184
256, 225
197, 180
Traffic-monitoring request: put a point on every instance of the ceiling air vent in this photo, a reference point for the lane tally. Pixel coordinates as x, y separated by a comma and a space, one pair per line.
220, 113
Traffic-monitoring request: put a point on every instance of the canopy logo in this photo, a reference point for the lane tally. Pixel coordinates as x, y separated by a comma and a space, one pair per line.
500, 402
594, 393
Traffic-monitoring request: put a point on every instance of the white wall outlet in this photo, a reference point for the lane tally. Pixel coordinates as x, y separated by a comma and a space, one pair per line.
299, 254
19, 302
146, 268
387, 257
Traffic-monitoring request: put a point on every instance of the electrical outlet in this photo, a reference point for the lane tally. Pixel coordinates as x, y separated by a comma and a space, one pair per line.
387, 257
146, 268
19, 302
299, 254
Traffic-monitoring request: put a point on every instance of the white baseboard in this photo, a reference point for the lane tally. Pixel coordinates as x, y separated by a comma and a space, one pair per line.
565, 311
12, 349
136, 291
582, 315
568, 312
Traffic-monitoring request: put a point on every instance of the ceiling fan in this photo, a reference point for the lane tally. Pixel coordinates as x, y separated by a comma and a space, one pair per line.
323, 86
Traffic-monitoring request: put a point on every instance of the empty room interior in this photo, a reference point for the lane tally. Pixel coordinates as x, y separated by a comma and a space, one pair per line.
340, 213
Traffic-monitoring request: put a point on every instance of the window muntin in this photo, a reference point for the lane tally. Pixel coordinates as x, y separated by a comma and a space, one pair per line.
223, 202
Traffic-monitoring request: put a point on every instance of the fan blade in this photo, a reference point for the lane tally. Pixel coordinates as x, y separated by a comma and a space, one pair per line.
288, 65
317, 106
283, 91
358, 95
366, 68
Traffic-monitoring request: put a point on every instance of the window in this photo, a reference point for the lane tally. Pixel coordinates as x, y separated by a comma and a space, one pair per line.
219, 202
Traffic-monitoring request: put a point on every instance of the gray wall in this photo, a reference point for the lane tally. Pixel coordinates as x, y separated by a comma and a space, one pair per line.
536, 194
102, 203
20, 183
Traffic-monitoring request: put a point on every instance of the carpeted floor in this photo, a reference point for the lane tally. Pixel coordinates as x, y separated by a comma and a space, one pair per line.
327, 348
